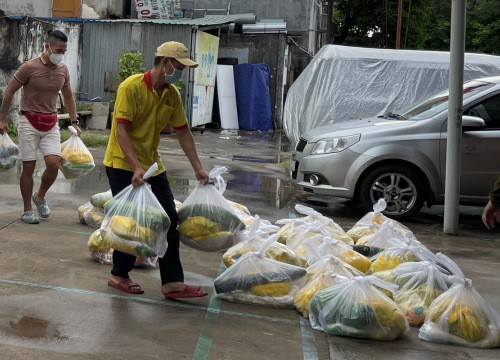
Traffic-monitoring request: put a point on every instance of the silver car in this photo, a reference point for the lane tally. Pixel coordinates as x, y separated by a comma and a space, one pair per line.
402, 157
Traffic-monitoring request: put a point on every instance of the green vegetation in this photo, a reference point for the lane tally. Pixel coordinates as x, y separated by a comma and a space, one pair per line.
426, 24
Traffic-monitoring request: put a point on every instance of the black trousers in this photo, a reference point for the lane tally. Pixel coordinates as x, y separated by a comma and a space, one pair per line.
170, 264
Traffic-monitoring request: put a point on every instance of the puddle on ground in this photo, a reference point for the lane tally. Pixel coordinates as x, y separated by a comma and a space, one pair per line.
33, 328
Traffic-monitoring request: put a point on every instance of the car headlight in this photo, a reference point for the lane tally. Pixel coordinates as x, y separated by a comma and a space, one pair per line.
333, 145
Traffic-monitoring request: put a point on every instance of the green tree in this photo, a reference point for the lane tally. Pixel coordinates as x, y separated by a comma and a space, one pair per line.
425, 25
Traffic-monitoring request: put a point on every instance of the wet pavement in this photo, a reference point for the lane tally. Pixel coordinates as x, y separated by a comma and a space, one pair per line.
54, 302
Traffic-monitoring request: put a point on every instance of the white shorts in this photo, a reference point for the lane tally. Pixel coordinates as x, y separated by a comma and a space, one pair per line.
31, 139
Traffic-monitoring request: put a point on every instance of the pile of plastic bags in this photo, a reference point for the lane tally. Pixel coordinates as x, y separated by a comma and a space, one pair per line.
92, 212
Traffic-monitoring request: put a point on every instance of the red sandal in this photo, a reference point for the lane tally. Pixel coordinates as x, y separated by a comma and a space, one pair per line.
188, 292
126, 285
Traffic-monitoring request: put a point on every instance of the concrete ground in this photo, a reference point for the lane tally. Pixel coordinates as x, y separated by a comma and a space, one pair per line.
55, 304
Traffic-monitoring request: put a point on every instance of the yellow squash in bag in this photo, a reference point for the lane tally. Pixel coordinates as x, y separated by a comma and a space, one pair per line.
198, 227
272, 290
126, 227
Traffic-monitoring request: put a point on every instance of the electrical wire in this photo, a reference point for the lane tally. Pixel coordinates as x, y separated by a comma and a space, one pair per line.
301, 48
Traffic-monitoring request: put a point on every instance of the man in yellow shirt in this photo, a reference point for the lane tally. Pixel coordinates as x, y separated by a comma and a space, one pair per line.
145, 105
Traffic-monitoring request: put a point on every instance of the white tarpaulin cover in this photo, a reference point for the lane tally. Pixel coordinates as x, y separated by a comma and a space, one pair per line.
344, 83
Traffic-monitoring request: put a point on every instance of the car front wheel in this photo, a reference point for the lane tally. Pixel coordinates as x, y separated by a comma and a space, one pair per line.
400, 186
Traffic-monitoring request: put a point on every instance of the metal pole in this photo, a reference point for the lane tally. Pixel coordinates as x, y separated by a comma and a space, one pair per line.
398, 26
455, 103
312, 29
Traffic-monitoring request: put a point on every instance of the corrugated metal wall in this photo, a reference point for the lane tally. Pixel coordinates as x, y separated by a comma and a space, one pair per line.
105, 41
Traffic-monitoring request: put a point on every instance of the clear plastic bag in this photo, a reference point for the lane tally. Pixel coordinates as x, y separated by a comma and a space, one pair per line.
334, 264
321, 282
461, 316
356, 308
370, 223
82, 209
290, 226
253, 240
420, 283
8, 152
93, 217
135, 222
392, 257
207, 220
256, 279
178, 204
76, 159
100, 199
314, 248
100, 252
319, 228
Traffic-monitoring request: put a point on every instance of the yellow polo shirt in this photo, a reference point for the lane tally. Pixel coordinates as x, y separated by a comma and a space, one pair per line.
138, 104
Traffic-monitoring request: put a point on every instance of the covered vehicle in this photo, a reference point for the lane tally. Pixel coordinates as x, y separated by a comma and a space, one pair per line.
343, 83
402, 157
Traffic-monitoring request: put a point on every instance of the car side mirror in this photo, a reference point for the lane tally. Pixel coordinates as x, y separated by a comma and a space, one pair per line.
472, 122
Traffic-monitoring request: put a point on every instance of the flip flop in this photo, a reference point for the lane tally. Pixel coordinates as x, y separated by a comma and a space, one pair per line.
127, 285
188, 292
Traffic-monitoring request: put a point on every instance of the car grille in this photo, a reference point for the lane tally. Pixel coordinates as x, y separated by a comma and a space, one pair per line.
301, 145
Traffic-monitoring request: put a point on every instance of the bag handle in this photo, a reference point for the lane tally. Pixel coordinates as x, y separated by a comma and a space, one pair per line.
305, 210
215, 177
379, 206
73, 130
153, 168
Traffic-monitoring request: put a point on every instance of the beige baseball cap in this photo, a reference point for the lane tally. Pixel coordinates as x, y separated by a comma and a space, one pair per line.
176, 50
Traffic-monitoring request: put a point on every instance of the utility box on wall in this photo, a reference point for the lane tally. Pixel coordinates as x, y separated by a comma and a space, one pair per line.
66, 8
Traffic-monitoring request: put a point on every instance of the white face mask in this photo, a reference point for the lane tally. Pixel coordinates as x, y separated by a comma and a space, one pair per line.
55, 59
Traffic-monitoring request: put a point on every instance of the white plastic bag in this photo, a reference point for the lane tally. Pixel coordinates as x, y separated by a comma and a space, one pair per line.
420, 283
256, 279
370, 223
334, 264
323, 281
356, 308
392, 257
82, 209
100, 199
76, 159
207, 220
253, 240
93, 217
135, 222
461, 316
8, 152
291, 227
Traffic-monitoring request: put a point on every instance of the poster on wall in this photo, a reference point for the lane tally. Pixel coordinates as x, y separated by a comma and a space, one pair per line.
206, 54
158, 9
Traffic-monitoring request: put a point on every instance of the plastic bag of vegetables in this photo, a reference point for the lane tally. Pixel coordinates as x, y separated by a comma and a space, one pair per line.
289, 228
321, 282
370, 223
135, 222
253, 240
334, 264
386, 236
93, 217
314, 248
100, 199
461, 316
100, 252
256, 279
8, 152
206, 219
356, 308
420, 283
76, 159
392, 257
82, 209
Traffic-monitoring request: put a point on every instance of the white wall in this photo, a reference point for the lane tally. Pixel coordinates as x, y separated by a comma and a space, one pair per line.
41, 8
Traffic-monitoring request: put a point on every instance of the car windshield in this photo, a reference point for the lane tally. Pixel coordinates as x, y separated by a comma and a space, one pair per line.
439, 102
